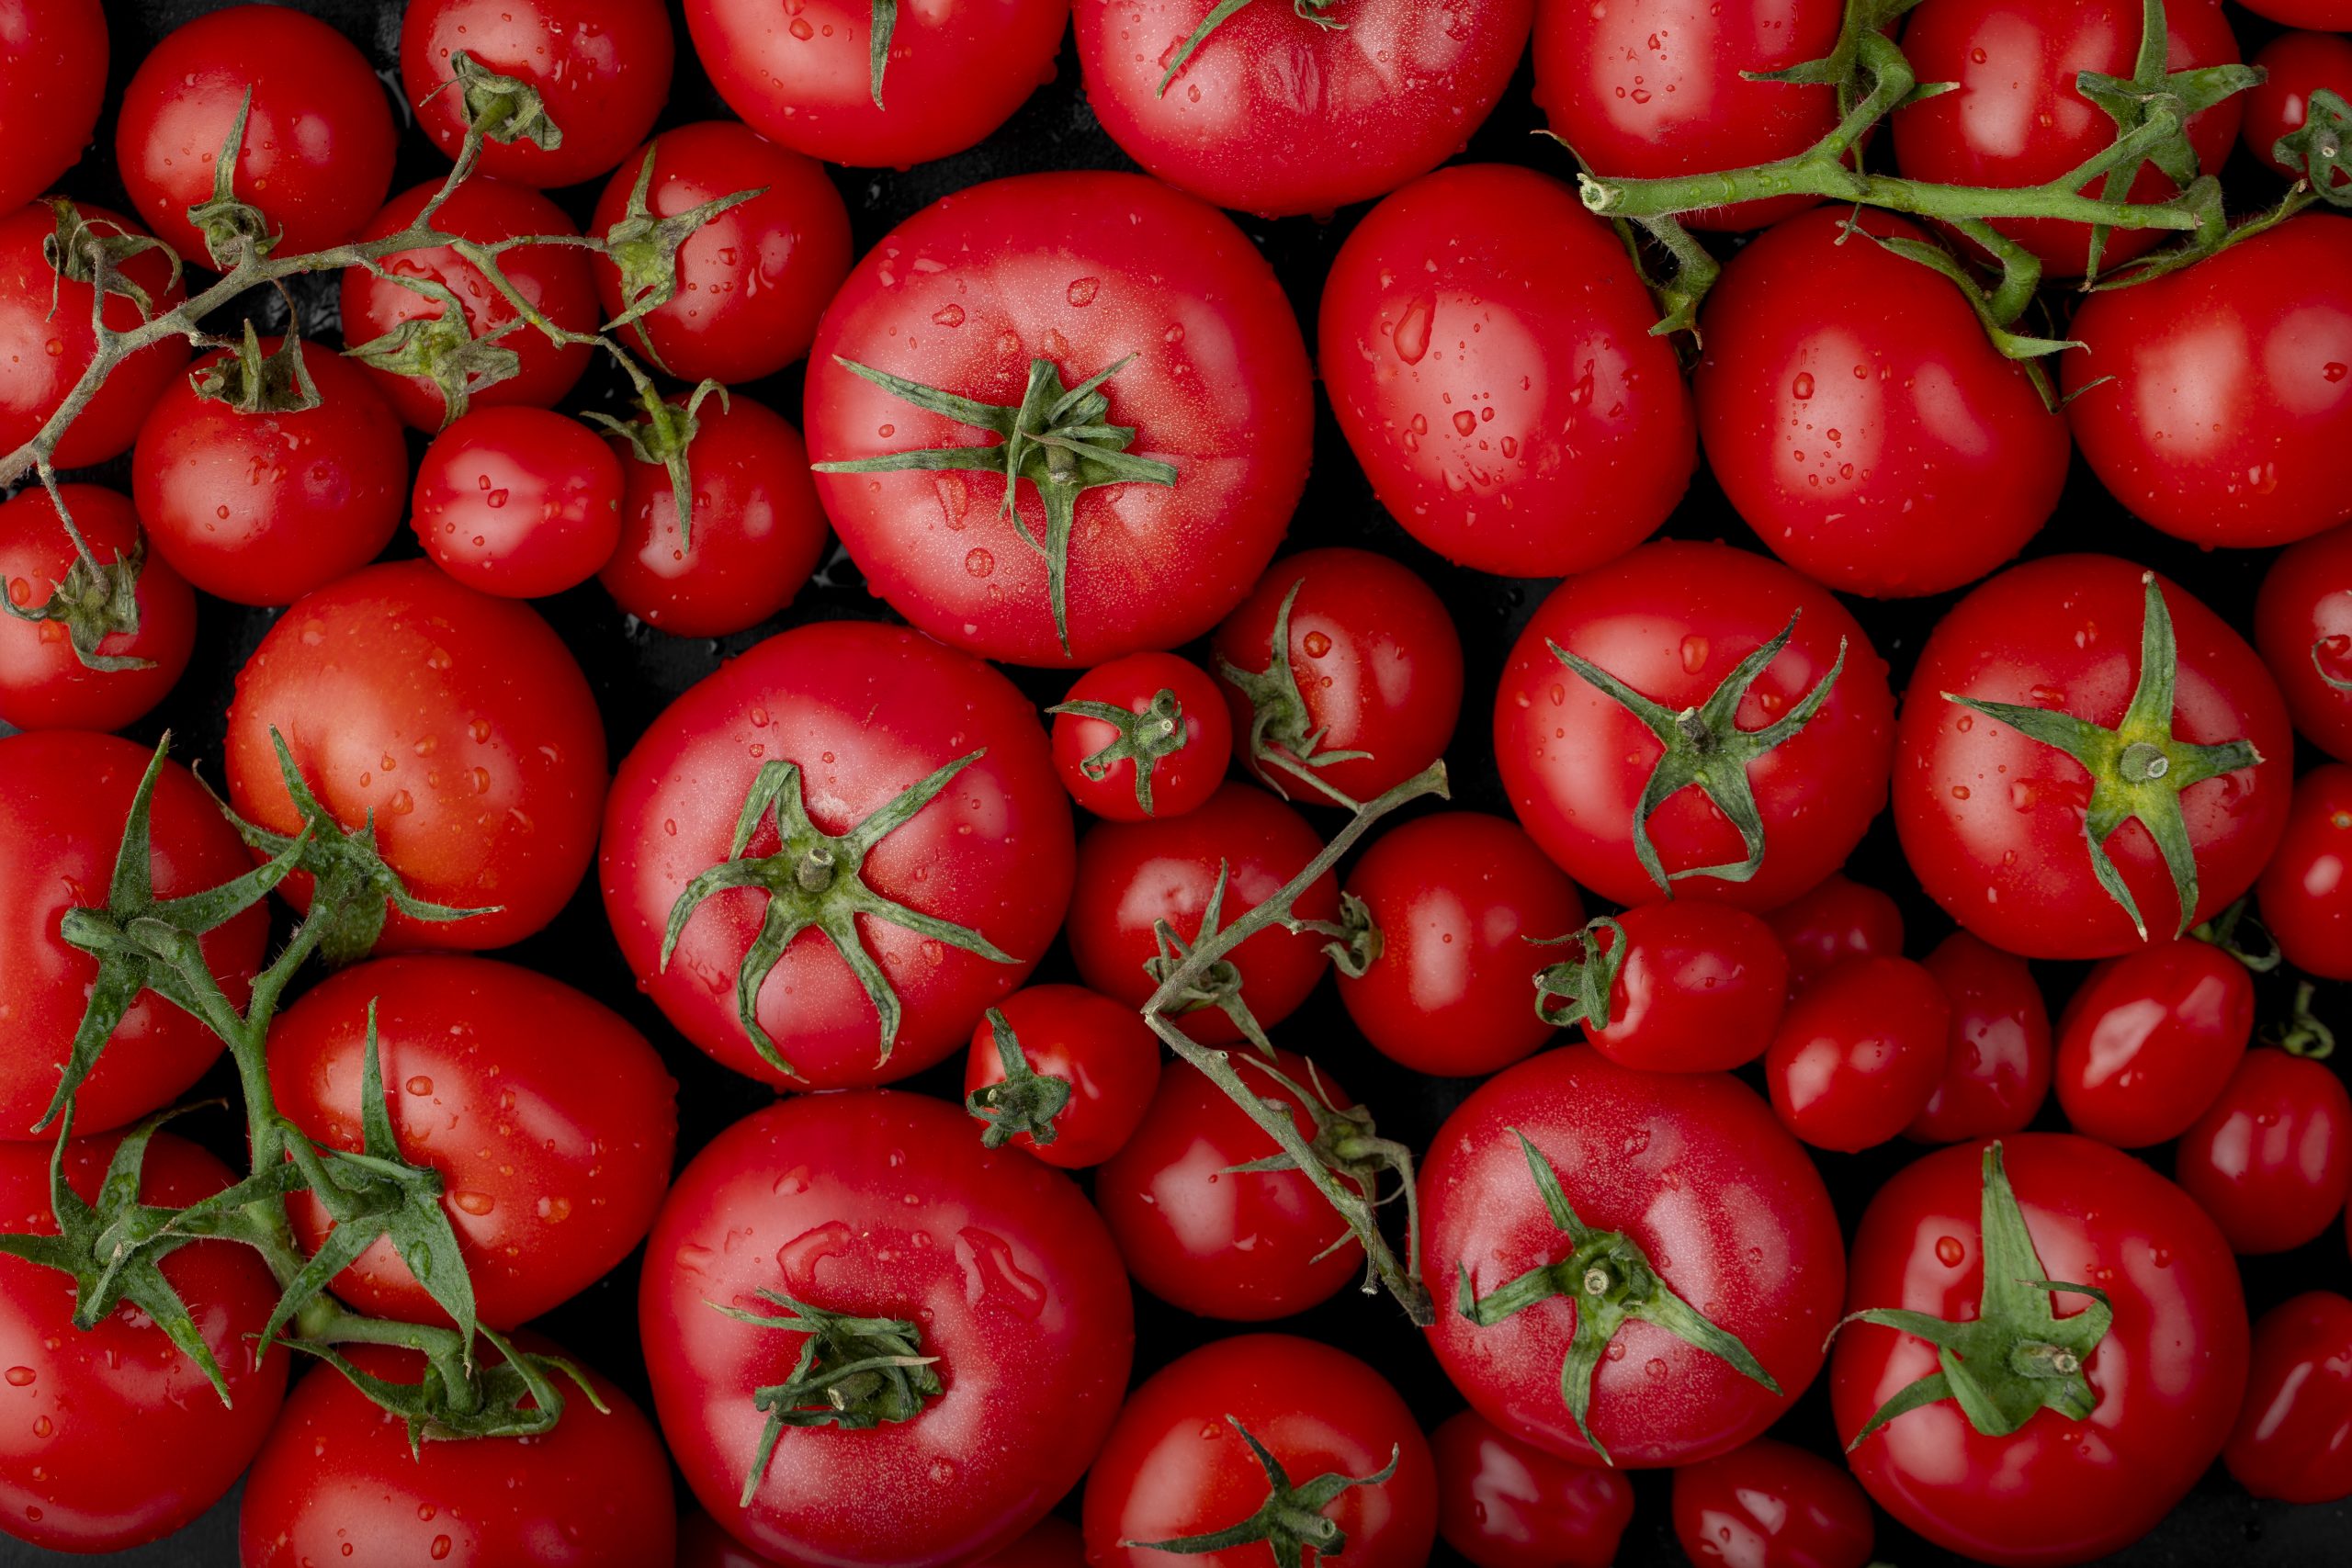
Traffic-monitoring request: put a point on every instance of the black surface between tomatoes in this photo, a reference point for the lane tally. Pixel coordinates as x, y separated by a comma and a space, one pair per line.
636, 672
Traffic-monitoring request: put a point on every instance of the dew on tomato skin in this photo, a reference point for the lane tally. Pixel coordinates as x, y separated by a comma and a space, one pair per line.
474, 1203
1949, 1251
419, 1085
1616, 1351
21, 1376
1801, 388
2335, 370
1654, 1367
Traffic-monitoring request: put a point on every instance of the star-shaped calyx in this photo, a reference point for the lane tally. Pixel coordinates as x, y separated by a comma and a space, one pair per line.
1290, 1522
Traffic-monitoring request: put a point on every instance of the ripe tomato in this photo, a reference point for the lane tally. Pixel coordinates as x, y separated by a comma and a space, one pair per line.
1992, 820
1836, 920
1699, 987
749, 283
45, 338
1861, 421
1711, 1202
458, 720
1503, 1504
600, 69
517, 501
44, 683
1106, 1060
2303, 624
2147, 1042
997, 1269
1087, 276
1178, 1464
1165, 761
52, 79
2306, 890
845, 719
114, 1437
1858, 1051
2293, 1439
1509, 425
1772, 1505
1677, 624
1397, 87
1997, 1068
1459, 899
2271, 1158
2295, 65
550, 1120
64, 798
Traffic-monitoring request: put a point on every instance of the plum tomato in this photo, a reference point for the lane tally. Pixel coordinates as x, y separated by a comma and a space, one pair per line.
81, 651
1087, 1070
1858, 1051
53, 58
2303, 624
2294, 66
1996, 1070
2149, 1038
2293, 1439
1771, 1504
1143, 736
1834, 919
2271, 1158
45, 336
1677, 986
1505, 1503
517, 501
2306, 890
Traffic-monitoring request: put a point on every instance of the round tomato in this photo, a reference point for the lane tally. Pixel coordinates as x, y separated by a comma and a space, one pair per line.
45, 337
1834, 919
1772, 1505
2306, 890
52, 79
905, 801
1165, 761
2294, 65
2303, 624
457, 722
2271, 1158
1997, 1063
1676, 625
2293, 1439
517, 501
1508, 424
46, 683
1178, 470
1503, 1504
1858, 1051
883, 1207
1099, 1053
1698, 988
2149, 1040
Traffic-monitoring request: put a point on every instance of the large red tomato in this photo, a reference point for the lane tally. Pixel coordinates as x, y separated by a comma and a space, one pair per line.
52, 79
45, 683
45, 337
2306, 890
2303, 624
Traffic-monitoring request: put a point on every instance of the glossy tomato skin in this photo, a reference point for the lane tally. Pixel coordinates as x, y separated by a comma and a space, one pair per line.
1834, 919
1101, 1048
40, 379
1512, 425
1672, 620
2149, 1040
114, 1437
1700, 989
1086, 270
2306, 890
1858, 1051
1992, 822
1174, 1466
517, 501
1395, 92
1771, 1504
1686, 1167
43, 682
1180, 781
52, 81
64, 796
2297, 64
1505, 1503
2303, 624
865, 711
550, 1120
458, 720
2293, 1439
2169, 1375
2271, 1158
1460, 899
1014, 1285
1997, 1063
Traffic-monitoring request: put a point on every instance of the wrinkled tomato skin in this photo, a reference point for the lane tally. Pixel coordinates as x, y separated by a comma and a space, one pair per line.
1700, 988
2168, 1374
39, 379
1992, 822
2147, 1042
1997, 1065
2306, 890
1101, 1048
2271, 1158
1510, 423
1504, 1503
1857, 1053
43, 682
517, 501
2297, 64
53, 57
2293, 1439
2303, 624
1771, 1504
1014, 1285
1184, 779
1693, 1169
1834, 919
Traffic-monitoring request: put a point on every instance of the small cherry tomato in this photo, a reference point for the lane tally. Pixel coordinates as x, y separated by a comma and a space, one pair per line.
2293, 1439
1771, 1504
1143, 736
1996, 1070
1836, 920
2303, 624
2149, 1038
52, 82
1505, 1503
45, 336
45, 683
2271, 1158
1089, 1068
1857, 1054
2294, 65
1700, 987
517, 501
2306, 890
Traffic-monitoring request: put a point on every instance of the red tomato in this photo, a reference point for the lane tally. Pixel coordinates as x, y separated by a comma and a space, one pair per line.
44, 683
1090, 274
1177, 1464
1699, 989
40, 306
1997, 1069
1503, 1504
1673, 621
114, 1437
52, 79
1771, 1505
1992, 820
2149, 1040
997, 1269
1101, 1050
2306, 890
2296, 65
1167, 761
2293, 1439
64, 796
2333, 14
550, 1120
458, 720
1836, 920
517, 501
1508, 424
2271, 1158
2303, 624
861, 714
1696, 1177
600, 69
750, 283
1858, 1051
1397, 86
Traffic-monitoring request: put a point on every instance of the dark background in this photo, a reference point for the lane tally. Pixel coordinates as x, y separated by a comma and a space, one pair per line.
636, 672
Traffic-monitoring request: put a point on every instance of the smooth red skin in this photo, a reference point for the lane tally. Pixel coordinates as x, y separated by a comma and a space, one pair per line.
865, 711
1387, 680
517, 501
1857, 1054
1502, 1504
262, 508
2228, 384
113, 1436
555, 279
1997, 1069
2306, 890
1174, 1466
1101, 1048
458, 720
1131, 875
52, 79
43, 682
2016, 118
2293, 1439
1672, 620
2303, 624
1695, 1170
757, 529
1243, 1247
1279, 115
1699, 991
2149, 1040
1771, 1504
337, 1484
602, 67
1459, 898
2169, 1375
1992, 822
550, 1120
2271, 1158
1580, 437
1019, 1293
1218, 385
752, 281
1182, 781
2298, 63
67, 793
1859, 420
1834, 919
38, 378
1053, 1543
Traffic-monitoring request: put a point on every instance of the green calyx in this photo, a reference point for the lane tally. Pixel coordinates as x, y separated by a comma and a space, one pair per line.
1143, 738
644, 250
1308, 10
1282, 735
1023, 1102
2304, 1033
94, 600
1291, 1521
1608, 1278
517, 1396
1576, 989
1348, 1143
855, 1373
663, 436
2316, 148
253, 382
499, 108
886, 22
1219, 985
232, 229
441, 348
95, 252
